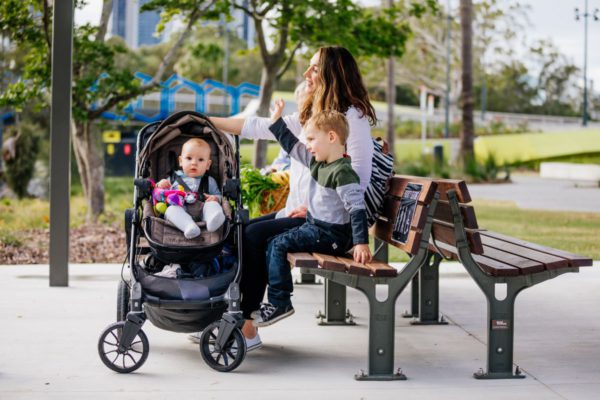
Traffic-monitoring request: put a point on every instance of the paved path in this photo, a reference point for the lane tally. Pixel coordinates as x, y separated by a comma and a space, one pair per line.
48, 346
533, 192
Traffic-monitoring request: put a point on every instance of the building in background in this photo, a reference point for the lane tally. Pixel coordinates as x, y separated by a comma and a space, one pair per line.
243, 26
138, 28
135, 27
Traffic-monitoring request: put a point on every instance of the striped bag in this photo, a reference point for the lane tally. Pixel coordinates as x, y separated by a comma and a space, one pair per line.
383, 170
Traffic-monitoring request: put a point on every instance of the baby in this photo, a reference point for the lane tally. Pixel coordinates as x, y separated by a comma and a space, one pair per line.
194, 162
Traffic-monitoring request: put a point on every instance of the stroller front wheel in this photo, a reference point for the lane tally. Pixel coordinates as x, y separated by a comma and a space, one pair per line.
122, 301
122, 360
226, 358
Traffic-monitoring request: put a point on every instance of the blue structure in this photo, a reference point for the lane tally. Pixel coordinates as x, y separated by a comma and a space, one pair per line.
168, 91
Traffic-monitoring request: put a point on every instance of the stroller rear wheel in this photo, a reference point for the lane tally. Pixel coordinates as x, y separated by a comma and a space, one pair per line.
122, 301
226, 358
122, 360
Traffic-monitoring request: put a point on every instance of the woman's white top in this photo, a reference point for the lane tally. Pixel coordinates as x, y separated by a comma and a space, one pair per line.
359, 147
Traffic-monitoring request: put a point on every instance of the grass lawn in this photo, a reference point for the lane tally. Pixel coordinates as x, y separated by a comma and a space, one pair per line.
571, 231
576, 232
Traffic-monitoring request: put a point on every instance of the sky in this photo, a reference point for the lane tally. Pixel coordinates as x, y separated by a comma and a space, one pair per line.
554, 19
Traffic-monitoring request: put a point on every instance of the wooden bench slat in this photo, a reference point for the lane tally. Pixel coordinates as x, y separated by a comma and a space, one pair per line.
330, 262
382, 269
355, 268
444, 232
526, 265
488, 265
302, 260
462, 192
549, 261
444, 213
574, 260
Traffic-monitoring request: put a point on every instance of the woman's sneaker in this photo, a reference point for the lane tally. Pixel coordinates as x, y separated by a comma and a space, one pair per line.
269, 314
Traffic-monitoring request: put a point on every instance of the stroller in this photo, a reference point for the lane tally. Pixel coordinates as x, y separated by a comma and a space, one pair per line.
208, 300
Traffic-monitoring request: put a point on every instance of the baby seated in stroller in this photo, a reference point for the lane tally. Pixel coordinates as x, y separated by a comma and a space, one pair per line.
171, 197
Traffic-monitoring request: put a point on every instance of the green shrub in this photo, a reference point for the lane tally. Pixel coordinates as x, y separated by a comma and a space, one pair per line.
425, 166
489, 171
19, 170
9, 239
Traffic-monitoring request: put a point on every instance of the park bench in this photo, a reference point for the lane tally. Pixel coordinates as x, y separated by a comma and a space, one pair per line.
443, 226
502, 266
405, 223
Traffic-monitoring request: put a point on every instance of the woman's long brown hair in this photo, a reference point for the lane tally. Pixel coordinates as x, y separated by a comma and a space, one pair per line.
340, 87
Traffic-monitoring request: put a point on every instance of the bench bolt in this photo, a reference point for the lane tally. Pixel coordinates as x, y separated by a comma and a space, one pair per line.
380, 352
499, 350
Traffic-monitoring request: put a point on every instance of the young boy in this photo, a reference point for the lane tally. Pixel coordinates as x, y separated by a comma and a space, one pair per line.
336, 218
194, 162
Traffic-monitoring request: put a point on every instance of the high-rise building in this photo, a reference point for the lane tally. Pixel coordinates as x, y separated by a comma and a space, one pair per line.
138, 28
135, 27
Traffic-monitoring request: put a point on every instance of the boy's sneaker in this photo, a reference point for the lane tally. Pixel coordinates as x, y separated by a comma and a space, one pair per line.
269, 314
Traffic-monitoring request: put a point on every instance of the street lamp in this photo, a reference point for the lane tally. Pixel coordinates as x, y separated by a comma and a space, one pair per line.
585, 15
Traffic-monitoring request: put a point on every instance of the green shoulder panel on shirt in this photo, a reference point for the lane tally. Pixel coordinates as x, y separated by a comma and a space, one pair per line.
335, 174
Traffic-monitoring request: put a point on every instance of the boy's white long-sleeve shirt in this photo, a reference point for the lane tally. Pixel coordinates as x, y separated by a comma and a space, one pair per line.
359, 147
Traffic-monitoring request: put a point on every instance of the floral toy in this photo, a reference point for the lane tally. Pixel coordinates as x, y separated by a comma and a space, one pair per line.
162, 198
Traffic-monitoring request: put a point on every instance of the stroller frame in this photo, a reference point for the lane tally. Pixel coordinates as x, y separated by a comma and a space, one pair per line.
221, 338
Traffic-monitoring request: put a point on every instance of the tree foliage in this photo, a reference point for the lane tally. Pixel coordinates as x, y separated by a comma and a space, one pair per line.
103, 76
20, 168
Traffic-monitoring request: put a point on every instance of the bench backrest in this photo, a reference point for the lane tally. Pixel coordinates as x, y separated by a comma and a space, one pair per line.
412, 217
443, 223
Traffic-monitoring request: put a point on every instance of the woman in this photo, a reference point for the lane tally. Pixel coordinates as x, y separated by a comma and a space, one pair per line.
333, 82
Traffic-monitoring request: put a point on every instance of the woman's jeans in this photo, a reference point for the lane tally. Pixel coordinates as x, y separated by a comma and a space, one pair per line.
254, 262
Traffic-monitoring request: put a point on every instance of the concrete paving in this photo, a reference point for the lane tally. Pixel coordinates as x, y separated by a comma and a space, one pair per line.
533, 192
48, 341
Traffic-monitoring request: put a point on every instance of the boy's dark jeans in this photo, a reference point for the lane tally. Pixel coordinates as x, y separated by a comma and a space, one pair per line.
305, 238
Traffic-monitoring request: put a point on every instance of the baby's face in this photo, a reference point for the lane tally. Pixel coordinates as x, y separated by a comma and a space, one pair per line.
194, 159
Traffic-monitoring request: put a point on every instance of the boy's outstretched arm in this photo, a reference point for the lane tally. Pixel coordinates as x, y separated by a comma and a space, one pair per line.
286, 138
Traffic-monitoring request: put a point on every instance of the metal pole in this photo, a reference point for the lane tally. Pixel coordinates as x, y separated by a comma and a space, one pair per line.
225, 66
448, 49
585, 95
60, 142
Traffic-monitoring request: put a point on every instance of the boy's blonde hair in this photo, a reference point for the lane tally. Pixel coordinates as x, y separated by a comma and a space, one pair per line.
330, 120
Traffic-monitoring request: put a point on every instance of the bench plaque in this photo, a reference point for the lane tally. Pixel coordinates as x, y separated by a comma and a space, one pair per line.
406, 212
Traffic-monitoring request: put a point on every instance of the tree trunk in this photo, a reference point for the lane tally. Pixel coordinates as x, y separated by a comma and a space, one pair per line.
468, 129
91, 169
267, 87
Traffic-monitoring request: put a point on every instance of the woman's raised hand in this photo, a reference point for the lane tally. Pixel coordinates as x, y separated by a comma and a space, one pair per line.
277, 110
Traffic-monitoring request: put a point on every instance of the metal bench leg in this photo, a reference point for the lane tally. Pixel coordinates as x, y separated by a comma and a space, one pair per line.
414, 299
307, 279
500, 335
429, 293
381, 339
335, 306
